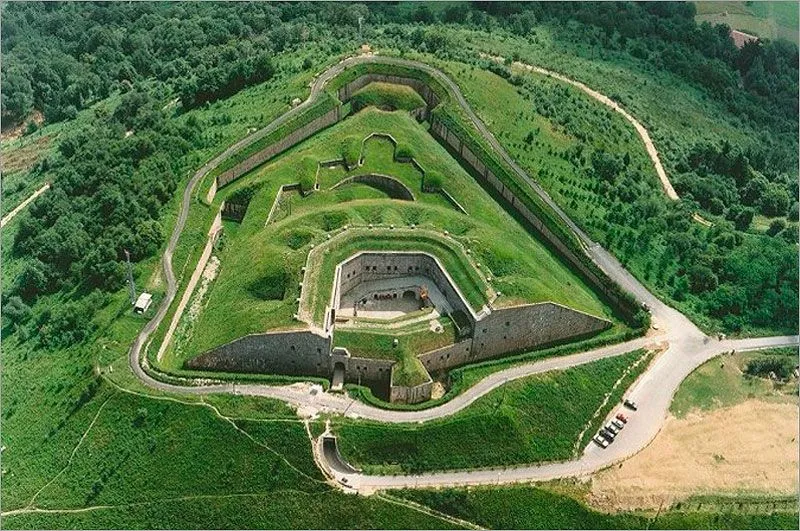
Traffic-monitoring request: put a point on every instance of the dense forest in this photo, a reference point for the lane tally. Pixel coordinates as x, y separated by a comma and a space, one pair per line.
112, 177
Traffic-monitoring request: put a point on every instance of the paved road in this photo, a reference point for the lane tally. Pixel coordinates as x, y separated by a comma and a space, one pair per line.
687, 348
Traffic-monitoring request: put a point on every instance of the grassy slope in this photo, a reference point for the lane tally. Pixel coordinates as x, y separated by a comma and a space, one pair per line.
181, 465
677, 116
524, 270
721, 383
770, 20
554, 506
525, 421
386, 95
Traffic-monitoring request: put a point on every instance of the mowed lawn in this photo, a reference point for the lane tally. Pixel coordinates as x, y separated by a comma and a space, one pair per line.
522, 269
534, 419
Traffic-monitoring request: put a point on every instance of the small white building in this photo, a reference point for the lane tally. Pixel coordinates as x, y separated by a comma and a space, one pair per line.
143, 303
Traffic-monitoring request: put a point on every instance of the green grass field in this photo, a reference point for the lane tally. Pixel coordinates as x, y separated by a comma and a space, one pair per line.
720, 382
561, 505
522, 268
388, 96
768, 20
546, 417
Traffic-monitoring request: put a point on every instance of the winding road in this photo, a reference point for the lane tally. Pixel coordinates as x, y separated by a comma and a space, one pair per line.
686, 346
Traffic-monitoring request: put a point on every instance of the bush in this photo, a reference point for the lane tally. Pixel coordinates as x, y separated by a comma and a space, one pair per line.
780, 365
432, 182
333, 220
403, 152
351, 151
271, 285
298, 238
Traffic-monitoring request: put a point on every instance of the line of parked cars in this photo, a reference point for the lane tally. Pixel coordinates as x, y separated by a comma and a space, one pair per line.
608, 433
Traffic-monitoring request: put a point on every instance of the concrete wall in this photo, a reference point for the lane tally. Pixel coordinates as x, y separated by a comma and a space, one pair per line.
293, 138
299, 353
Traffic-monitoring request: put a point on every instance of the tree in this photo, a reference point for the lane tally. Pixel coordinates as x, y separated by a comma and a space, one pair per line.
702, 278
776, 226
606, 165
741, 216
16, 99
775, 201
15, 311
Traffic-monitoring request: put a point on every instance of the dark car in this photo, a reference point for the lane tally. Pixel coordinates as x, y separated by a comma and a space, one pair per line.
630, 404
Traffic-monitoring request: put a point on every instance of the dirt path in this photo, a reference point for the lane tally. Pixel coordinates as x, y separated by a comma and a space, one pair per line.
751, 447
20, 207
605, 100
216, 226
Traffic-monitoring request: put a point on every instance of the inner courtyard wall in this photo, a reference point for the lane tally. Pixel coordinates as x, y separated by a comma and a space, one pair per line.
368, 266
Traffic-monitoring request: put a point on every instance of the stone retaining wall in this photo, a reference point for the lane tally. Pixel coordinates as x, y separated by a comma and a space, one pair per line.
528, 327
295, 353
431, 99
391, 186
400, 394
440, 131
293, 138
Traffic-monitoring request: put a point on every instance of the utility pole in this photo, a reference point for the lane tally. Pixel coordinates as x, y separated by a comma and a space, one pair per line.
131, 285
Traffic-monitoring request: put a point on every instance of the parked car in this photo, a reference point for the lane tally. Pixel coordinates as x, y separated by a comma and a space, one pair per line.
599, 441
622, 418
630, 404
611, 428
617, 424
607, 435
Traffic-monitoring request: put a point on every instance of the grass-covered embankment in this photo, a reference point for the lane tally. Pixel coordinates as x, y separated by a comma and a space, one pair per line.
534, 419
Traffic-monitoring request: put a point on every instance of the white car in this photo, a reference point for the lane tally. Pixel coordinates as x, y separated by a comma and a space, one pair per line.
617, 424
611, 428
599, 441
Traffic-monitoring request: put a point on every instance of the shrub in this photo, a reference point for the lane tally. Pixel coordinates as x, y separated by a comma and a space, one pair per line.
306, 169
780, 365
333, 220
432, 182
351, 151
403, 152
298, 238
271, 285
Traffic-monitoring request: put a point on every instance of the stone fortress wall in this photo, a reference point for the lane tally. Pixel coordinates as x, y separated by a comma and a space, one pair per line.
372, 265
494, 333
290, 140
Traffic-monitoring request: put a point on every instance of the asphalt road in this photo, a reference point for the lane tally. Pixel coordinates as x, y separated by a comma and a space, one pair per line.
687, 348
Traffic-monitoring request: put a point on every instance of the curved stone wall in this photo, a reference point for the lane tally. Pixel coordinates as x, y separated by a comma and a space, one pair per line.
389, 185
